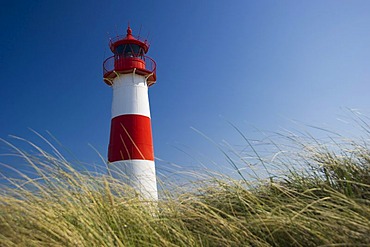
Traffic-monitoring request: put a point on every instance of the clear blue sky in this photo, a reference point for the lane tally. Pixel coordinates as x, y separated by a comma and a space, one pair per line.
257, 64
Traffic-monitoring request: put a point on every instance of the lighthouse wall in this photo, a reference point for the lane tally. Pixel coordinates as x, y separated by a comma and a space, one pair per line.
130, 95
130, 152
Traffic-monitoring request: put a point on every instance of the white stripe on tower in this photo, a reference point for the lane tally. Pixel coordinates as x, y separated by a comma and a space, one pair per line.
130, 152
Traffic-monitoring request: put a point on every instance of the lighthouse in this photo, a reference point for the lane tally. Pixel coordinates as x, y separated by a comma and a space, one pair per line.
129, 72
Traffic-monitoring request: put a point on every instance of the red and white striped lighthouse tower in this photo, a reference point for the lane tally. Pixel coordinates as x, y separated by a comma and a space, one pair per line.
130, 154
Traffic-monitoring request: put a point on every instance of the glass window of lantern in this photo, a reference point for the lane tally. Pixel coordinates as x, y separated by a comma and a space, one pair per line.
135, 49
141, 53
128, 51
119, 49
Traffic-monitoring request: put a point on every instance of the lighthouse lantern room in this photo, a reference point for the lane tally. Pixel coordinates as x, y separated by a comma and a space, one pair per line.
129, 55
130, 153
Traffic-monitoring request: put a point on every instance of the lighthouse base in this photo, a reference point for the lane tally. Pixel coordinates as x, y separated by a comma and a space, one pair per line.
139, 174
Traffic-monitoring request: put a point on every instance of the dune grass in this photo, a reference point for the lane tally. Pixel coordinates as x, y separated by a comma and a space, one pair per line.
327, 203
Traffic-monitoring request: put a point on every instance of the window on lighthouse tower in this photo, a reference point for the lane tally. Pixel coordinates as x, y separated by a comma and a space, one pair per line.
119, 50
129, 50
135, 49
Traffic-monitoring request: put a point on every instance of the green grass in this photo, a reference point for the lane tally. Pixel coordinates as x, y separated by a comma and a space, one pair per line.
326, 202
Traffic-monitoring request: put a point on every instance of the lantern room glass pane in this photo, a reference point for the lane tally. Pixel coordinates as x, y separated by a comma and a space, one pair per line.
141, 53
135, 49
128, 51
119, 49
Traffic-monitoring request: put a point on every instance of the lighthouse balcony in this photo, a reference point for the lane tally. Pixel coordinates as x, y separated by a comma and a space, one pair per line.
115, 65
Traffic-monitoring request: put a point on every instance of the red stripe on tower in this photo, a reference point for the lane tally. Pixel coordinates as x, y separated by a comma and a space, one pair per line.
130, 138
130, 154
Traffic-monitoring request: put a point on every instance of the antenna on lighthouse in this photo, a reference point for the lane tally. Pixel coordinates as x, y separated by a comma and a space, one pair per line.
130, 153
138, 36
147, 37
